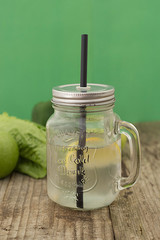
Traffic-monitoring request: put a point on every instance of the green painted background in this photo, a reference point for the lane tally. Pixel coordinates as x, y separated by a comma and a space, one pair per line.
40, 48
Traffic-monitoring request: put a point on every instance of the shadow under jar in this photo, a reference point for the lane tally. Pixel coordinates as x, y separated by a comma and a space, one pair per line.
84, 148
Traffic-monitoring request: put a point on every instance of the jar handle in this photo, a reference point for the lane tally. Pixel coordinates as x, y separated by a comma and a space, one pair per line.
130, 131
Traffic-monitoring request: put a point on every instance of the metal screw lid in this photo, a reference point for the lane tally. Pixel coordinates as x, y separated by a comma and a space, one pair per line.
92, 95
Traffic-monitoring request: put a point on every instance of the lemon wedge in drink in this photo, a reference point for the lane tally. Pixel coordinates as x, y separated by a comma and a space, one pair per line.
95, 154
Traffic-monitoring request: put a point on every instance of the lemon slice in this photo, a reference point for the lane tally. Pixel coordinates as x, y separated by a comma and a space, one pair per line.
96, 154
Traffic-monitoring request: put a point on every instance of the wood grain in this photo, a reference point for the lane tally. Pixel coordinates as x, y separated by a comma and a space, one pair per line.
136, 212
26, 212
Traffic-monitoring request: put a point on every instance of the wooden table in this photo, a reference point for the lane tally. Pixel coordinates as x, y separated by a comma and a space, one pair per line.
26, 212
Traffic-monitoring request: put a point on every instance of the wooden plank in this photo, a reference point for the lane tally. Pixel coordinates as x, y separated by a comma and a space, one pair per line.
26, 212
136, 213
3, 186
9, 203
28, 188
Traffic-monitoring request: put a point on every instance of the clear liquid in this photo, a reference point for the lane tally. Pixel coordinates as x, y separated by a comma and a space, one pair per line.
97, 169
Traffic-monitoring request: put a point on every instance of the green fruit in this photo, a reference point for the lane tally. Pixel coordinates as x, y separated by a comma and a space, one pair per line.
41, 112
8, 154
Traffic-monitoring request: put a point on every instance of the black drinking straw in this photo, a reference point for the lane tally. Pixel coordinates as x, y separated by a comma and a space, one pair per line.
82, 123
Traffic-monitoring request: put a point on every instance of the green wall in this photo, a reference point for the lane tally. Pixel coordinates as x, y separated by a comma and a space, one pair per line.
40, 48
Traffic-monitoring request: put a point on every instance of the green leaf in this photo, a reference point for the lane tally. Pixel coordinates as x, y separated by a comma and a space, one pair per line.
31, 140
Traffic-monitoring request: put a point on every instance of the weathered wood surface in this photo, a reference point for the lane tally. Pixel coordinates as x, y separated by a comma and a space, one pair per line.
27, 213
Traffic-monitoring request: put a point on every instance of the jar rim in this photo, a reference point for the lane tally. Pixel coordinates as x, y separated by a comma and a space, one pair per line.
86, 109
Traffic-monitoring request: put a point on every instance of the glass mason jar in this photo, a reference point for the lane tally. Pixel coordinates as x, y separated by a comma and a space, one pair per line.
84, 148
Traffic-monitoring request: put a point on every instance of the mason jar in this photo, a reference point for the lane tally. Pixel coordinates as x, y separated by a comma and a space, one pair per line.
84, 147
